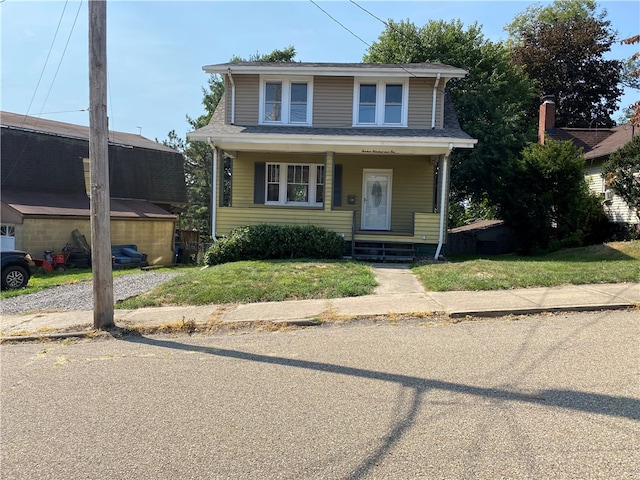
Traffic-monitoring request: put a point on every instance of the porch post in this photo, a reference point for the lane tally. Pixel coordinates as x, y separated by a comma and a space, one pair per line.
329, 160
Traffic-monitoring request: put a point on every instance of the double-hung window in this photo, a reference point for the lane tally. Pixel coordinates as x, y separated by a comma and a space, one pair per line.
286, 101
379, 102
295, 184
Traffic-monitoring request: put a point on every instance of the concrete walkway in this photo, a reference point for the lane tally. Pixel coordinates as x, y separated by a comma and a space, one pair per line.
398, 293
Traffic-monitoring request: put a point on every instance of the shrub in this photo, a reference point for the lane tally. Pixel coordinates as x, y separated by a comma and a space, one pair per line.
547, 201
262, 242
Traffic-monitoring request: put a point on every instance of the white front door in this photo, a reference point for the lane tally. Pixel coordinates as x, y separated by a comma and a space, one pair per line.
376, 199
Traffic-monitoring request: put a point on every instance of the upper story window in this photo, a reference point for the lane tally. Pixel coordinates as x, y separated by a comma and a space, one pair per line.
286, 101
378, 102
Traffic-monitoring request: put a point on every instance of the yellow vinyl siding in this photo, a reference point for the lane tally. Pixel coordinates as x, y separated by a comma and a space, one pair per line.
332, 101
247, 99
427, 225
420, 103
230, 218
412, 189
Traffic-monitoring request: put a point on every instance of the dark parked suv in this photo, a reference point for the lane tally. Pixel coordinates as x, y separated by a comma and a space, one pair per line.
17, 268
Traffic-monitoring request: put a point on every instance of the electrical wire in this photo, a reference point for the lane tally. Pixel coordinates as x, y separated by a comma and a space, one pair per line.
24, 147
62, 56
338, 22
55, 35
399, 65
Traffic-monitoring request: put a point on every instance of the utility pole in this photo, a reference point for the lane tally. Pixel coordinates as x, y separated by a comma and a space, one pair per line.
99, 168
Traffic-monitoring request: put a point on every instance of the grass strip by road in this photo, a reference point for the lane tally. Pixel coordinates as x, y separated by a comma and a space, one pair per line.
614, 262
260, 281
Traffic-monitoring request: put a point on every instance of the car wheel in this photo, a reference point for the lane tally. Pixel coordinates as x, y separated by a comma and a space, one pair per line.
14, 276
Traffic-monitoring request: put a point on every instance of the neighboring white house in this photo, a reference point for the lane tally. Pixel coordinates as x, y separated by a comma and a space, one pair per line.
597, 143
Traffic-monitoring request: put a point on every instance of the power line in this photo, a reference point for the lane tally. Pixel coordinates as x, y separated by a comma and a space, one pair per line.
62, 56
26, 143
338, 22
45, 62
399, 65
418, 42
367, 11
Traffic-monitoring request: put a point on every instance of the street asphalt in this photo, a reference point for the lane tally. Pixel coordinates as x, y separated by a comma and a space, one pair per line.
550, 396
398, 293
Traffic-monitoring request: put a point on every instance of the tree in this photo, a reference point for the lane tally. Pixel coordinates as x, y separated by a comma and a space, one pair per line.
631, 78
491, 101
562, 47
621, 173
548, 202
198, 156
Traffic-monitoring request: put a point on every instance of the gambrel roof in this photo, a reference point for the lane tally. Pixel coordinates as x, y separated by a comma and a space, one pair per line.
46, 156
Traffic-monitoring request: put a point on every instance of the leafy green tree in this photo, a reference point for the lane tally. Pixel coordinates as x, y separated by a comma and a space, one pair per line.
547, 200
631, 78
562, 47
198, 156
491, 101
621, 173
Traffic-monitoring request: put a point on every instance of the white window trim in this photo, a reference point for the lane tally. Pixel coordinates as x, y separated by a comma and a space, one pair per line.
380, 83
8, 230
286, 99
313, 182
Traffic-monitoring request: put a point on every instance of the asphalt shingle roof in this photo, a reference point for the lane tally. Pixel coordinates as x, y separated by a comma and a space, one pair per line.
597, 142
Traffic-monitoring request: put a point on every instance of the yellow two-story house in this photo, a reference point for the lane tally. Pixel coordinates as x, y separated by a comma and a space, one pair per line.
361, 149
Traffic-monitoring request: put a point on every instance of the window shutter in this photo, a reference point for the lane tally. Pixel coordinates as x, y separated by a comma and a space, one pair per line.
258, 182
337, 185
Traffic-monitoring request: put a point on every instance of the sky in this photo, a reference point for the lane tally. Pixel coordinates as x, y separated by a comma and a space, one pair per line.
156, 49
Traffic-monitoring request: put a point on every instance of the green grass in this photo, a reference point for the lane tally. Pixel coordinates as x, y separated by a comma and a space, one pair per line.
260, 281
609, 263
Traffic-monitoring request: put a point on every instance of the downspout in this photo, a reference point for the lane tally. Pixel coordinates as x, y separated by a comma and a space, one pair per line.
433, 102
214, 189
443, 198
233, 97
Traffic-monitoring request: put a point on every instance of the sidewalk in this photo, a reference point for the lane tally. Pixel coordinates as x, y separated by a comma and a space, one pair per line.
398, 293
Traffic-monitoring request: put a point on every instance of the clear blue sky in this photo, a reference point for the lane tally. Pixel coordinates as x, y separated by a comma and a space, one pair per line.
156, 49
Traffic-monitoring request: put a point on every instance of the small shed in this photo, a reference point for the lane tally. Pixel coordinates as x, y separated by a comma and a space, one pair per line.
484, 237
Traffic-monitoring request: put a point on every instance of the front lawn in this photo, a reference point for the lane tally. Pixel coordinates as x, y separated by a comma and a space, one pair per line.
260, 281
608, 263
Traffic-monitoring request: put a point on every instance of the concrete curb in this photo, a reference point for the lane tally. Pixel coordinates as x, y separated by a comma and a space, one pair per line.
539, 310
313, 322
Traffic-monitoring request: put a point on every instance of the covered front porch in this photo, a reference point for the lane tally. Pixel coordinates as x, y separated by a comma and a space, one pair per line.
423, 234
369, 190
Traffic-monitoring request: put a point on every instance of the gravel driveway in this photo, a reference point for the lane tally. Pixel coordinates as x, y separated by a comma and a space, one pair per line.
79, 296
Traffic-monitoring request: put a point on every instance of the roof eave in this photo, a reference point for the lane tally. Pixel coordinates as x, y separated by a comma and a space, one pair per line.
395, 71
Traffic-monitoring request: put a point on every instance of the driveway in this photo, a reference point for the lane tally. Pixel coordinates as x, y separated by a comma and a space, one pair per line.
553, 396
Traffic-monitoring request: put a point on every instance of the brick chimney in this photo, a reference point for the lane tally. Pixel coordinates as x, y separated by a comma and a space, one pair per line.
547, 118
